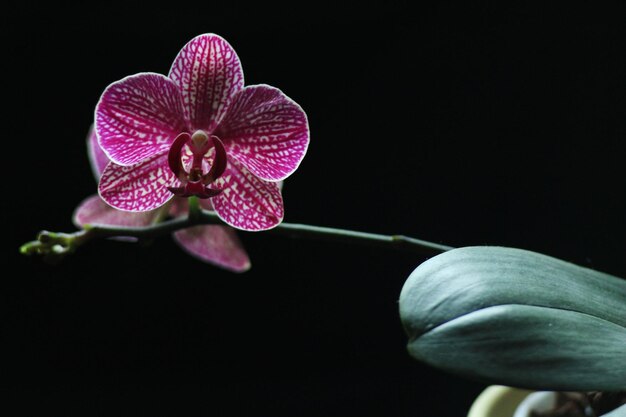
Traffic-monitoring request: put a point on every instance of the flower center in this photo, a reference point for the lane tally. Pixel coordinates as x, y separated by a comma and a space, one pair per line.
195, 182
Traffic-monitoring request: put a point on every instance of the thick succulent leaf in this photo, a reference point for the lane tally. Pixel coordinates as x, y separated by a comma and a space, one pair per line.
618, 412
519, 318
208, 73
266, 131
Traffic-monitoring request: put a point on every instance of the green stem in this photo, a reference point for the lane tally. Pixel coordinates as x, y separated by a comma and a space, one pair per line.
330, 234
195, 211
49, 243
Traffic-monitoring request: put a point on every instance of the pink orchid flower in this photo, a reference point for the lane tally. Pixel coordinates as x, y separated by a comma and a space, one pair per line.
200, 132
217, 245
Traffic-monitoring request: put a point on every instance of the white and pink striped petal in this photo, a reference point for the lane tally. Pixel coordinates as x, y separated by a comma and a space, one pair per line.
97, 158
94, 211
247, 202
266, 131
217, 245
139, 117
140, 187
208, 72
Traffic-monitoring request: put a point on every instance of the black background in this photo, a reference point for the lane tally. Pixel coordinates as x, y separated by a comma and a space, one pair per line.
465, 124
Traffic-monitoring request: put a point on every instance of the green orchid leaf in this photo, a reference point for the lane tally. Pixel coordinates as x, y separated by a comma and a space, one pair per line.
513, 317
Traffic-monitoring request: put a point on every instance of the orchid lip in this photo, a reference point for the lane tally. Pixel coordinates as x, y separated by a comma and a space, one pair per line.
195, 182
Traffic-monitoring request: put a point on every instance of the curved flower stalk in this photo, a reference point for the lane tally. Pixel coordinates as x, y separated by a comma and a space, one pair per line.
197, 132
214, 244
200, 132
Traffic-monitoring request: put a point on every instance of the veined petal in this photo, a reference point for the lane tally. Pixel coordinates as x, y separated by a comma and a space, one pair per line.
247, 202
266, 131
140, 187
97, 158
139, 117
218, 245
93, 210
208, 72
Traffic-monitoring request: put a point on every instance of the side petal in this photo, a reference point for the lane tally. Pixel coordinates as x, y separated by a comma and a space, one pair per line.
266, 131
138, 117
208, 72
140, 187
97, 158
93, 210
217, 245
247, 202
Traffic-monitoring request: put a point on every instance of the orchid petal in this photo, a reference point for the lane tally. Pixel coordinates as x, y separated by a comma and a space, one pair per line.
247, 202
266, 131
208, 73
139, 187
97, 158
217, 245
94, 211
139, 117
